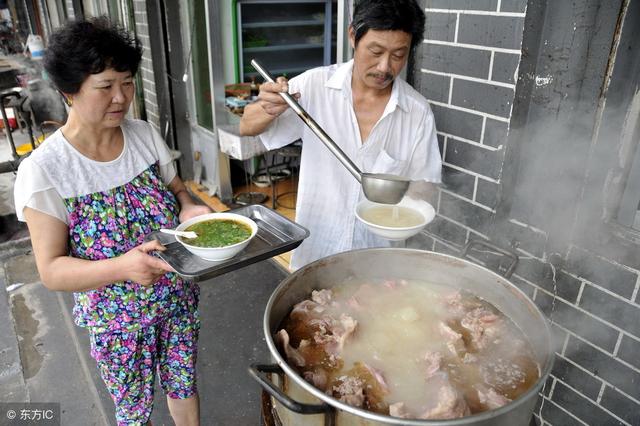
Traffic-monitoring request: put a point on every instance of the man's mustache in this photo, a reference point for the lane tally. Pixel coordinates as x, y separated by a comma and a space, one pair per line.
386, 76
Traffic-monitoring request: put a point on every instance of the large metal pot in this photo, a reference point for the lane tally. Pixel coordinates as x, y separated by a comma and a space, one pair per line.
299, 403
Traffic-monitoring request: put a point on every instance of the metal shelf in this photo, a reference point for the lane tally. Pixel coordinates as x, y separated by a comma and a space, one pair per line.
269, 27
278, 47
280, 71
296, 23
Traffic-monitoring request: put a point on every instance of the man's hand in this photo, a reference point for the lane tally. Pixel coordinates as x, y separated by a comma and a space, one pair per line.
139, 266
269, 97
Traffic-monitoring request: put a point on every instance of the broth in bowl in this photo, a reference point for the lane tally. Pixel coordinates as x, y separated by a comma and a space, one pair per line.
218, 233
393, 216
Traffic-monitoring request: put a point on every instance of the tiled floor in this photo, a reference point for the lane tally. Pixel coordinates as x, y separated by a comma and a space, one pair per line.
286, 186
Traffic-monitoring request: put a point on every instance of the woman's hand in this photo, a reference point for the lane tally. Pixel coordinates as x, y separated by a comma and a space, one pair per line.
192, 210
139, 266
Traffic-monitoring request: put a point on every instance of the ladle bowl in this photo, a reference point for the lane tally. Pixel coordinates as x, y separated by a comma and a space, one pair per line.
383, 188
377, 187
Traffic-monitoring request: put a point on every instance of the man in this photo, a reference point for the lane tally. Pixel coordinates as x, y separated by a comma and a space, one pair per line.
380, 122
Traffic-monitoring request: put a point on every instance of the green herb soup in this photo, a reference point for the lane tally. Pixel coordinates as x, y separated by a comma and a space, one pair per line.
218, 233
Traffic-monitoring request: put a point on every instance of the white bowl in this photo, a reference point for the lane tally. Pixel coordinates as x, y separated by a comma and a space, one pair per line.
394, 233
218, 253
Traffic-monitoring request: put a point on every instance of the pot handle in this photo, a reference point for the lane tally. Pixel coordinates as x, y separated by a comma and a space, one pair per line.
257, 372
510, 254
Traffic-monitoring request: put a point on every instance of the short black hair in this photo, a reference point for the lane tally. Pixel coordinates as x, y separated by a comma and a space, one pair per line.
388, 15
85, 47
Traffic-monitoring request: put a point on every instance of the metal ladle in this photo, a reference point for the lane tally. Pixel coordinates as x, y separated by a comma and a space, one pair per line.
378, 187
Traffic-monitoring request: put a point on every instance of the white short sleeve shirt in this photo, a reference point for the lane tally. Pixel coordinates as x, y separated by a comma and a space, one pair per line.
402, 142
56, 170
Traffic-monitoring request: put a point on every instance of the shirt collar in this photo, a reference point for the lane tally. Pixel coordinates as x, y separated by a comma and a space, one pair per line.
341, 80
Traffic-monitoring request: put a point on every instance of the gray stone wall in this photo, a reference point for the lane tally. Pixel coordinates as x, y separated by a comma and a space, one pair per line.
468, 68
146, 67
70, 11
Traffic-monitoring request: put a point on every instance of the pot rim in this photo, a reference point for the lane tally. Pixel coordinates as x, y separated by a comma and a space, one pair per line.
385, 419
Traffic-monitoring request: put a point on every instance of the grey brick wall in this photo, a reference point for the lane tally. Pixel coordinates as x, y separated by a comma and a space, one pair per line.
467, 67
146, 67
70, 11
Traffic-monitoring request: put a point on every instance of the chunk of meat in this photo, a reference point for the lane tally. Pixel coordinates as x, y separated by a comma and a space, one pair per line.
377, 377
490, 398
350, 390
338, 333
399, 409
318, 377
434, 361
450, 403
454, 341
354, 303
483, 325
374, 386
293, 356
510, 377
307, 308
322, 297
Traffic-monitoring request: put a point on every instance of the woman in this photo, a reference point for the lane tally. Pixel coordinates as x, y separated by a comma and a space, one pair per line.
90, 194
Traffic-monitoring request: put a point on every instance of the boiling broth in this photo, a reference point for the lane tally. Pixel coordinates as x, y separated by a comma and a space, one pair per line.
398, 323
393, 216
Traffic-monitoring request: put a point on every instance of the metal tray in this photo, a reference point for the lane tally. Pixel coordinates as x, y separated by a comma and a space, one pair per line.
276, 235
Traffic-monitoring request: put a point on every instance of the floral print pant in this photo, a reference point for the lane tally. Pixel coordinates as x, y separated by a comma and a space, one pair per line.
128, 362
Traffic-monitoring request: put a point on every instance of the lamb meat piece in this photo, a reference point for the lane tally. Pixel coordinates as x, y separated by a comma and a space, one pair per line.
293, 356
322, 297
469, 358
453, 303
377, 377
354, 303
349, 389
484, 326
399, 409
393, 284
455, 344
337, 335
450, 404
434, 362
374, 386
510, 377
490, 398
306, 308
318, 377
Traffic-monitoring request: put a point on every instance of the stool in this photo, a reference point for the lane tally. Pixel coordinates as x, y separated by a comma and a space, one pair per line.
251, 197
288, 153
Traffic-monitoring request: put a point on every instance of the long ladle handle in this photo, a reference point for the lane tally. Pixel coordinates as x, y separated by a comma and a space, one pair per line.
315, 127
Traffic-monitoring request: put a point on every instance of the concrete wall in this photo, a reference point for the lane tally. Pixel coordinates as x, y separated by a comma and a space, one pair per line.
515, 132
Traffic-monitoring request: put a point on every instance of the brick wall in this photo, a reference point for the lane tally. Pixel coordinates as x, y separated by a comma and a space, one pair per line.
146, 67
70, 11
468, 69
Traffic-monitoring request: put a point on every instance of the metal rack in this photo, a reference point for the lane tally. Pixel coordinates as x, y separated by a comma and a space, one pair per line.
288, 36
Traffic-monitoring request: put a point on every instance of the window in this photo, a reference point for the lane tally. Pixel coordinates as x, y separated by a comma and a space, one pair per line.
200, 64
628, 209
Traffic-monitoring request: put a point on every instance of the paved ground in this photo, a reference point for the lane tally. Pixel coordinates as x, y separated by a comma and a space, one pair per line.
53, 362
44, 357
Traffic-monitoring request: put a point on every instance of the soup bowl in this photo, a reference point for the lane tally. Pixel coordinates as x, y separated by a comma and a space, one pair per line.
396, 233
217, 253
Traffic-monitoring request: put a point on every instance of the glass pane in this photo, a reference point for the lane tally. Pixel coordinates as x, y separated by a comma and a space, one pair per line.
200, 65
